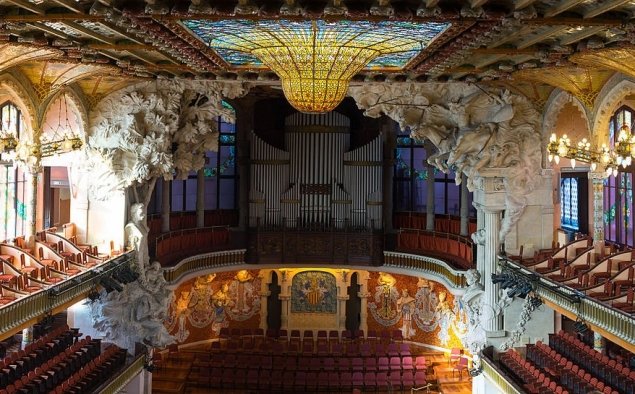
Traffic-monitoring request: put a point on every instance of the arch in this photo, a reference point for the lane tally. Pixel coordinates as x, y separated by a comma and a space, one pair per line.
556, 102
74, 101
615, 90
17, 92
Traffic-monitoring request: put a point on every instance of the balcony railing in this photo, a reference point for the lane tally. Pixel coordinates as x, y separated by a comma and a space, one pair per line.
225, 259
23, 311
615, 324
428, 265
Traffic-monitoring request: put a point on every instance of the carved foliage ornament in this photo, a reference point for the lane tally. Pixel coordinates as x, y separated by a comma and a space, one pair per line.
473, 129
152, 128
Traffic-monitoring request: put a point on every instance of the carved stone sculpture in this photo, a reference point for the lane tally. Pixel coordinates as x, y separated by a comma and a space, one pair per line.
473, 129
475, 337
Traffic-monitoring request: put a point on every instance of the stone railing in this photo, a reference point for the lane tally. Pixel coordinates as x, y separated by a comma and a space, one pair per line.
615, 324
224, 259
25, 311
124, 376
428, 265
497, 377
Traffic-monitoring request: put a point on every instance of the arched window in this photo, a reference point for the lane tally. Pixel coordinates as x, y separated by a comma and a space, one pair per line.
618, 190
11, 119
410, 181
220, 177
12, 180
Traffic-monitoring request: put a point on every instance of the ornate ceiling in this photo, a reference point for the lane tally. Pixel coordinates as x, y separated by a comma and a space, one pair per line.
100, 45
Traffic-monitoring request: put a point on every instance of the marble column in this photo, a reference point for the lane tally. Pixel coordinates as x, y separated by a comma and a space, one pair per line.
597, 184
464, 206
200, 198
284, 313
263, 306
430, 195
491, 248
480, 247
165, 206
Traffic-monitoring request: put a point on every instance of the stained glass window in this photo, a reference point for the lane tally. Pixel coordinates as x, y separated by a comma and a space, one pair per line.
12, 181
569, 193
618, 191
410, 187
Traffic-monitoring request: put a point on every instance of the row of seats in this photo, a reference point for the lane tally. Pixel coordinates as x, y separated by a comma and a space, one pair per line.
611, 371
316, 363
95, 373
19, 364
298, 381
532, 378
308, 347
457, 248
576, 379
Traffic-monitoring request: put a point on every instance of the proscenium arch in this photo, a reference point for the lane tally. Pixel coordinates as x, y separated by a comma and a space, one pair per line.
615, 90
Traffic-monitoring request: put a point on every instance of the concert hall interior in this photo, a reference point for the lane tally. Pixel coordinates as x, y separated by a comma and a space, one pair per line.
343, 196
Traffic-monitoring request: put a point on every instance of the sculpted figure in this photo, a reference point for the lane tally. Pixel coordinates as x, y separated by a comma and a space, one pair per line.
136, 235
407, 305
475, 337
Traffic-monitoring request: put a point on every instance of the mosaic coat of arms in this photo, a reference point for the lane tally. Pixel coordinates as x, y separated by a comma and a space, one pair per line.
313, 292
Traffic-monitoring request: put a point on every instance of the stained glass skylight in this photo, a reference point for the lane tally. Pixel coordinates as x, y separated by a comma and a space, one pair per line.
397, 42
316, 60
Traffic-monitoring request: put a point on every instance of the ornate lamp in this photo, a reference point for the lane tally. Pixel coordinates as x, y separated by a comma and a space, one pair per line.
316, 59
63, 139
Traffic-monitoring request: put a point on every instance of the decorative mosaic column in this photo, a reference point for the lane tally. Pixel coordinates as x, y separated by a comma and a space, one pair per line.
200, 198
27, 337
464, 206
31, 205
597, 183
165, 206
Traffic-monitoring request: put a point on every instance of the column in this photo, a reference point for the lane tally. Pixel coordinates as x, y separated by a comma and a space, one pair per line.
363, 315
263, 306
389, 164
491, 246
598, 342
27, 336
284, 313
430, 200
341, 312
31, 200
200, 198
165, 206
464, 206
244, 128
597, 183
480, 249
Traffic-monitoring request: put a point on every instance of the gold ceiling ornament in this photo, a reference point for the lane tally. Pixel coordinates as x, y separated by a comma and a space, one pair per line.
584, 84
610, 159
618, 59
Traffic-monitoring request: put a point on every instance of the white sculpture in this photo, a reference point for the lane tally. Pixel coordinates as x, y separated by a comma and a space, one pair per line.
137, 135
473, 129
475, 337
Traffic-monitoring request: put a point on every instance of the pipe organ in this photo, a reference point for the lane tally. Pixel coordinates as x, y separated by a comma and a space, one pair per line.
316, 181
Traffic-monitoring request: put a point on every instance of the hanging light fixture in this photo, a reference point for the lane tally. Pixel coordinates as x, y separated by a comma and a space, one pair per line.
64, 139
316, 59
8, 130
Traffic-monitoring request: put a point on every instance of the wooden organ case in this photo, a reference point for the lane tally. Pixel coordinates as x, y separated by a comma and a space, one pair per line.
316, 200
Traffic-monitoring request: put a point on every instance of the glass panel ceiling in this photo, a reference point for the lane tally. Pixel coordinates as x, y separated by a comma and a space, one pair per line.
395, 42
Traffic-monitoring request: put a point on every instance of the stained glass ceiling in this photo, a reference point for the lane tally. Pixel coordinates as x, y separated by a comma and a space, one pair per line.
395, 42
